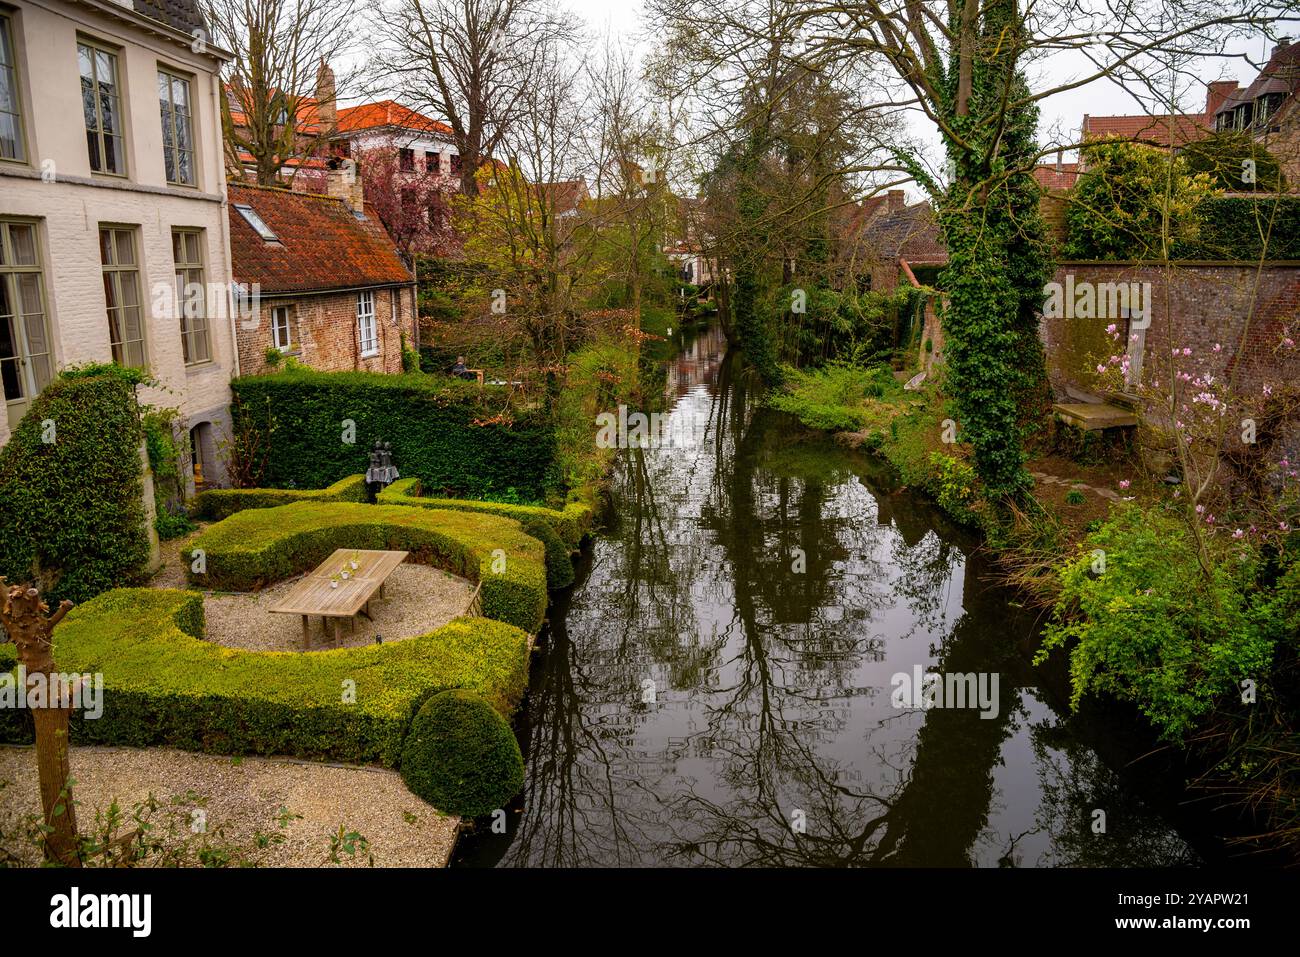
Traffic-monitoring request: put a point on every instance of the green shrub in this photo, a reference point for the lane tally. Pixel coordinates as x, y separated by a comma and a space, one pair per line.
258, 546
571, 524
831, 397
1245, 229
430, 421
1074, 497
559, 566
218, 503
72, 513
461, 756
1150, 627
164, 685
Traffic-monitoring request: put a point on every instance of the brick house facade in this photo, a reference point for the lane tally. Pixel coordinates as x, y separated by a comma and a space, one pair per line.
326, 283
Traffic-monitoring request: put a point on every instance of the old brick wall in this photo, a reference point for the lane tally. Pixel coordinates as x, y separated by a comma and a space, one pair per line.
1247, 311
325, 332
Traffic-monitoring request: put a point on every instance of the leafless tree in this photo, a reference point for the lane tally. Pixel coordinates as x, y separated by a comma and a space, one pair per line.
273, 115
469, 63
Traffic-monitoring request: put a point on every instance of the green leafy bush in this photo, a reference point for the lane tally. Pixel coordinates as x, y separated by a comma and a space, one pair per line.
429, 420
1245, 229
559, 566
164, 685
461, 756
1150, 625
571, 523
1129, 199
218, 503
72, 514
258, 546
831, 397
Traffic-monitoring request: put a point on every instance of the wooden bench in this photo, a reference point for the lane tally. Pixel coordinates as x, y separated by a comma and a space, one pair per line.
320, 593
1095, 416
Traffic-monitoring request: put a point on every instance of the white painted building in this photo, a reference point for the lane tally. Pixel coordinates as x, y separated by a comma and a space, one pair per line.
112, 196
424, 145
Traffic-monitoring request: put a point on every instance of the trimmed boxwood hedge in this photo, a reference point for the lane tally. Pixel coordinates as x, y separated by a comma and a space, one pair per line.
461, 756
258, 546
571, 523
163, 685
429, 420
71, 511
218, 503
559, 531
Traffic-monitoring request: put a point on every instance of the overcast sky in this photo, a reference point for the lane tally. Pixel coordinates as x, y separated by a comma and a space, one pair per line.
622, 21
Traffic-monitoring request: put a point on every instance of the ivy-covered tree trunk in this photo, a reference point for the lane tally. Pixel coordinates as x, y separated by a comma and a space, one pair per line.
998, 257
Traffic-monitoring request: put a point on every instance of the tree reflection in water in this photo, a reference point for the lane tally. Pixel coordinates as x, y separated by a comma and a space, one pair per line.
769, 583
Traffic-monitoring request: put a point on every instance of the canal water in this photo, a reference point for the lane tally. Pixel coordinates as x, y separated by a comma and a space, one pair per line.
720, 687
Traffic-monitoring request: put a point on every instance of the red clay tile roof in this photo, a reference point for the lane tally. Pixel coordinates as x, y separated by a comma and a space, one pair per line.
322, 245
1182, 128
387, 113
1050, 176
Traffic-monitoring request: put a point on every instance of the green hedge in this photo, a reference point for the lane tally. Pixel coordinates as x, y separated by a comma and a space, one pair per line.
298, 417
461, 756
71, 511
218, 503
163, 685
1232, 228
571, 524
256, 547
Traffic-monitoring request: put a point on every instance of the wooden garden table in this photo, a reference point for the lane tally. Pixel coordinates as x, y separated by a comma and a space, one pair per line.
317, 594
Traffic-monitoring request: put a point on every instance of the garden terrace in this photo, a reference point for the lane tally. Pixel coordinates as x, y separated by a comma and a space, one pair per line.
165, 685
255, 547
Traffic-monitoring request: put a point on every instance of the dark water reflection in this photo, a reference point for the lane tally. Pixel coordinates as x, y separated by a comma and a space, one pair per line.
772, 683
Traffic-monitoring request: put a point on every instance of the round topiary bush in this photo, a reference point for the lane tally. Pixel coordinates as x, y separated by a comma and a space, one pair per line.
461, 756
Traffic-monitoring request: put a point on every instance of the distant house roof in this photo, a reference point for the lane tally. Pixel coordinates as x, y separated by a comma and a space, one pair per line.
320, 244
1281, 75
1171, 129
387, 114
910, 233
567, 196
182, 15
1053, 176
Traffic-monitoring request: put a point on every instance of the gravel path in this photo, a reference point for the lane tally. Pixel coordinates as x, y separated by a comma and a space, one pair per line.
243, 796
417, 600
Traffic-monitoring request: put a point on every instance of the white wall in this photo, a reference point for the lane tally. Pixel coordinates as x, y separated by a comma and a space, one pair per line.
70, 209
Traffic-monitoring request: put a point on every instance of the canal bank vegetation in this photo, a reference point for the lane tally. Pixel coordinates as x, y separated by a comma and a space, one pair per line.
1167, 559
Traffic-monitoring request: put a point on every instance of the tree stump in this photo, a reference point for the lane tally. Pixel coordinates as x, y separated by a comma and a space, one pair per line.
25, 621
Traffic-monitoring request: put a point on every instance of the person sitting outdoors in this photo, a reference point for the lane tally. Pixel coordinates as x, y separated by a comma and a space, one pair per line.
460, 371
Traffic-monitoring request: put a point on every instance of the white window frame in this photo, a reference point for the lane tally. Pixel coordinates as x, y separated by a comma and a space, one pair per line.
276, 312
367, 328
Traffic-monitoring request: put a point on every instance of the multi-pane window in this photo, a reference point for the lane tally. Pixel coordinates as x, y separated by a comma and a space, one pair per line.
190, 294
366, 327
455, 163
432, 161
122, 295
406, 160
281, 328
177, 127
101, 102
25, 365
11, 121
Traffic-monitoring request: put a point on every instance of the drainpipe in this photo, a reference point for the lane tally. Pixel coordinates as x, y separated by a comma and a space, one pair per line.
219, 139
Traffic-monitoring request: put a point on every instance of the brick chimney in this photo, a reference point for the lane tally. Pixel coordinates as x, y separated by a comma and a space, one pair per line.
1215, 95
326, 97
895, 200
345, 183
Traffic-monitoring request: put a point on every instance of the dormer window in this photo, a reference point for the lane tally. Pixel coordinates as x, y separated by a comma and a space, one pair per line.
254, 220
1267, 105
